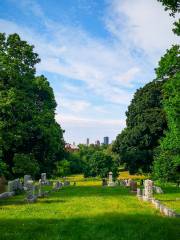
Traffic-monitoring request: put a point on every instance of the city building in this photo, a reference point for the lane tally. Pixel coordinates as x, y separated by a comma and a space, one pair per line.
87, 142
71, 148
97, 143
106, 140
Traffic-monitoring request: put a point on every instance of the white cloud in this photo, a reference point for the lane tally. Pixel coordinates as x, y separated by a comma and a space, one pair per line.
142, 24
75, 105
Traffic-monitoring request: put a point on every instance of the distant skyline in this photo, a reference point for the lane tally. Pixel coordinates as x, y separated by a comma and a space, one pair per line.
95, 54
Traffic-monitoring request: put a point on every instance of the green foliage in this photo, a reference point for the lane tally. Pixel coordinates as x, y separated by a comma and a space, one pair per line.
145, 125
94, 161
3, 169
76, 163
27, 108
176, 28
168, 157
25, 164
169, 64
171, 5
63, 168
99, 161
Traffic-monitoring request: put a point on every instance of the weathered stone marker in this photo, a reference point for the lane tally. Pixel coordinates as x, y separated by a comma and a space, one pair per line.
104, 182
111, 183
31, 197
26, 179
133, 186
148, 190
43, 178
139, 194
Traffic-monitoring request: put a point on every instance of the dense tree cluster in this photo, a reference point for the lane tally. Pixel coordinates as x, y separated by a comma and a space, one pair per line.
145, 125
167, 160
29, 134
92, 161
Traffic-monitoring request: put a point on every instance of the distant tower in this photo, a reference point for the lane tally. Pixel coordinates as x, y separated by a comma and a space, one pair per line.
97, 143
74, 144
87, 142
106, 140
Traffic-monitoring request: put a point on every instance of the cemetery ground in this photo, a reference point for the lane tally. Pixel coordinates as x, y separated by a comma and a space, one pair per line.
88, 211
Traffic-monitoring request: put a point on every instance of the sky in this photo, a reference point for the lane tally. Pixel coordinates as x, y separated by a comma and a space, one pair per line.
94, 53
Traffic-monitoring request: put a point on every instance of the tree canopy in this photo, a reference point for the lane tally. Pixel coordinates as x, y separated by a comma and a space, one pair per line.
27, 108
167, 161
145, 125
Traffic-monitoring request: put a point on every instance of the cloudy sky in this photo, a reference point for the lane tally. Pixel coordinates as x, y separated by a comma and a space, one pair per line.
95, 54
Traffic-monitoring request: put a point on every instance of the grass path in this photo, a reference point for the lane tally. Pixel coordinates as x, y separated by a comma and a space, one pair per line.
85, 212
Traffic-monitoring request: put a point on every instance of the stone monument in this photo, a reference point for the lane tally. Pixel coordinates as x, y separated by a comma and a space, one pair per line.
148, 190
111, 183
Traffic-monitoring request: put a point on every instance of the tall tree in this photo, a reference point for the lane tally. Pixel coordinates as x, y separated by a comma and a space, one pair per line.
27, 108
145, 125
167, 161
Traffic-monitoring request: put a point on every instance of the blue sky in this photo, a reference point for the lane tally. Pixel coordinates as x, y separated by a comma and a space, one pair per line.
95, 54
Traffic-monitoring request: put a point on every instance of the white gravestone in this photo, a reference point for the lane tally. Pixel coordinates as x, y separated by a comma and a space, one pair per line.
148, 190
111, 183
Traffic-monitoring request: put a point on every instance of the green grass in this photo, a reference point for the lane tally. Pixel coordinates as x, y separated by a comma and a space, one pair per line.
170, 197
85, 212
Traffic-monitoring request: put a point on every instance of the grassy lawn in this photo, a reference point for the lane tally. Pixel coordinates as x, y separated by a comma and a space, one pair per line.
84, 212
170, 197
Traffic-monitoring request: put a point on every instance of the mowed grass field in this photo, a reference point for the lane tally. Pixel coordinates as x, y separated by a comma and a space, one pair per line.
86, 211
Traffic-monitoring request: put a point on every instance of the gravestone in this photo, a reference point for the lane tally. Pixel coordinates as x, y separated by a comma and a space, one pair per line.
31, 197
148, 190
139, 192
129, 181
43, 178
40, 189
66, 183
57, 185
157, 190
14, 185
10, 186
133, 186
26, 179
104, 182
6, 195
111, 183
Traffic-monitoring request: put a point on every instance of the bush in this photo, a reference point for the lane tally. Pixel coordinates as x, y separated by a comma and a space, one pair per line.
63, 168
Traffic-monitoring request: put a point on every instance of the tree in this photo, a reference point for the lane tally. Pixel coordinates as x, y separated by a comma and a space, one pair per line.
167, 161
100, 164
25, 164
145, 126
27, 107
63, 168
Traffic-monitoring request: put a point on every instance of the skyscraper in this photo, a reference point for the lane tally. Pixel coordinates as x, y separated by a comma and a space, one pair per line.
87, 142
106, 140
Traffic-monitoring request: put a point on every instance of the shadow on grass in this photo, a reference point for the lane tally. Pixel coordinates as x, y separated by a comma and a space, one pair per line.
108, 226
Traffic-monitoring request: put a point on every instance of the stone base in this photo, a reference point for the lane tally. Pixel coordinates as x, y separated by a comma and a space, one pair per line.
112, 184
6, 195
